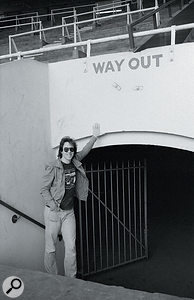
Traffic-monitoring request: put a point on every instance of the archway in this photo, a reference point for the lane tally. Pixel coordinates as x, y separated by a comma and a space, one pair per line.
170, 174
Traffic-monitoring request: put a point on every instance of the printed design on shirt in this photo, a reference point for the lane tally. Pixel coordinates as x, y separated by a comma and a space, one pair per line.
70, 178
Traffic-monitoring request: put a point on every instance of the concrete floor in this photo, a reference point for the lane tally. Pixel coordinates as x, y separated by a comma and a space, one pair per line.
40, 286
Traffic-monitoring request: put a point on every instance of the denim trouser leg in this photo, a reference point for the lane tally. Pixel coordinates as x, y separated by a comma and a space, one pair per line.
52, 228
68, 231
55, 222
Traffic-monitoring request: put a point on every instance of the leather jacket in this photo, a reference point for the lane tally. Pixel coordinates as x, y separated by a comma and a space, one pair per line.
53, 186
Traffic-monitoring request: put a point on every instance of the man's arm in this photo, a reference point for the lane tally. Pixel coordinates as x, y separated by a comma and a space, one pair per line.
96, 132
46, 186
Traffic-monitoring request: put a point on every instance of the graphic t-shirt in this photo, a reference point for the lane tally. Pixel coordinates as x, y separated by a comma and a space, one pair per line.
70, 178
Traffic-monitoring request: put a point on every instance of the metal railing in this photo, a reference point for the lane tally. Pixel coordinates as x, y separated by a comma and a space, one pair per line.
173, 29
18, 212
74, 24
89, 43
19, 20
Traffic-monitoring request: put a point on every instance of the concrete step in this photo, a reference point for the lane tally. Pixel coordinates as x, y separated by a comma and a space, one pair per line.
43, 286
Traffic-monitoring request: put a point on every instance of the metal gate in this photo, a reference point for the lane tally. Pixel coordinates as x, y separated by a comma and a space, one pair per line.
112, 224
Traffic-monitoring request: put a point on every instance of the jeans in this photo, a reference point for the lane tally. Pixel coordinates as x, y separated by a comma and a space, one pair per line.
55, 222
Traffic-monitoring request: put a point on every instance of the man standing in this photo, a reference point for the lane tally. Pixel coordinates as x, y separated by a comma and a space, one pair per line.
63, 181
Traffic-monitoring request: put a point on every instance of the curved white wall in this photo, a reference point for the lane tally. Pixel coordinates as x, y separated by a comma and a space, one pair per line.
142, 138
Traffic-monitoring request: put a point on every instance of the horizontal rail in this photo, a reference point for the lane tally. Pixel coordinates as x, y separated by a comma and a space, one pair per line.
19, 19
107, 17
114, 169
20, 25
77, 23
18, 16
72, 7
88, 43
82, 6
18, 212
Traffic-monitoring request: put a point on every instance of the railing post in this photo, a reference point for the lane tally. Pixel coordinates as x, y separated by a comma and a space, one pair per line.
52, 17
40, 32
88, 48
19, 56
10, 46
154, 21
94, 16
157, 14
63, 30
173, 34
129, 16
32, 23
16, 23
131, 38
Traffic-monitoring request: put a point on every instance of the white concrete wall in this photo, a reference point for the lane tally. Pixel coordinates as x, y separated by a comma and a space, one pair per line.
141, 98
24, 148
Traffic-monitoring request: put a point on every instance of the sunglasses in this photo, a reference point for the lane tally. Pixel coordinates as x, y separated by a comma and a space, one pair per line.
66, 149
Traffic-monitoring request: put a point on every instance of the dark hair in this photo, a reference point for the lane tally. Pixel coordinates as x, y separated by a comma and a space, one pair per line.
63, 141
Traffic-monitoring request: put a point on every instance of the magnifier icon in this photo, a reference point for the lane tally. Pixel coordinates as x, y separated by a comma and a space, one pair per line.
16, 283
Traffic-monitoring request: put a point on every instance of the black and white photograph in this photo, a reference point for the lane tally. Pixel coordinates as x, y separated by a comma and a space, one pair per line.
97, 149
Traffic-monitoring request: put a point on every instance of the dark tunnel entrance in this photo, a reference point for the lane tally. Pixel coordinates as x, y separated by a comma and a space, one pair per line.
170, 203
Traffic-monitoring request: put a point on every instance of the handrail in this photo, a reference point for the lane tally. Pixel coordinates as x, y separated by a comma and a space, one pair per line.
18, 212
88, 43
74, 24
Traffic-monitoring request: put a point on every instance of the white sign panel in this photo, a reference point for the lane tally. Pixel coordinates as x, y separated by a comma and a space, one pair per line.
148, 91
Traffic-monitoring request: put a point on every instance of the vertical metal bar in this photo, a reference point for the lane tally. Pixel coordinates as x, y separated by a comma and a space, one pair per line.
157, 14
124, 221
129, 197
63, 29
10, 50
118, 213
140, 210
145, 208
99, 218
75, 27
134, 208
112, 209
87, 242
88, 48
154, 21
40, 32
93, 220
16, 23
106, 219
51, 17
173, 35
81, 238
131, 38
32, 23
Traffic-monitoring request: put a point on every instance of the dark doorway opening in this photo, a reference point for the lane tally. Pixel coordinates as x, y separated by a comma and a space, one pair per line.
169, 269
